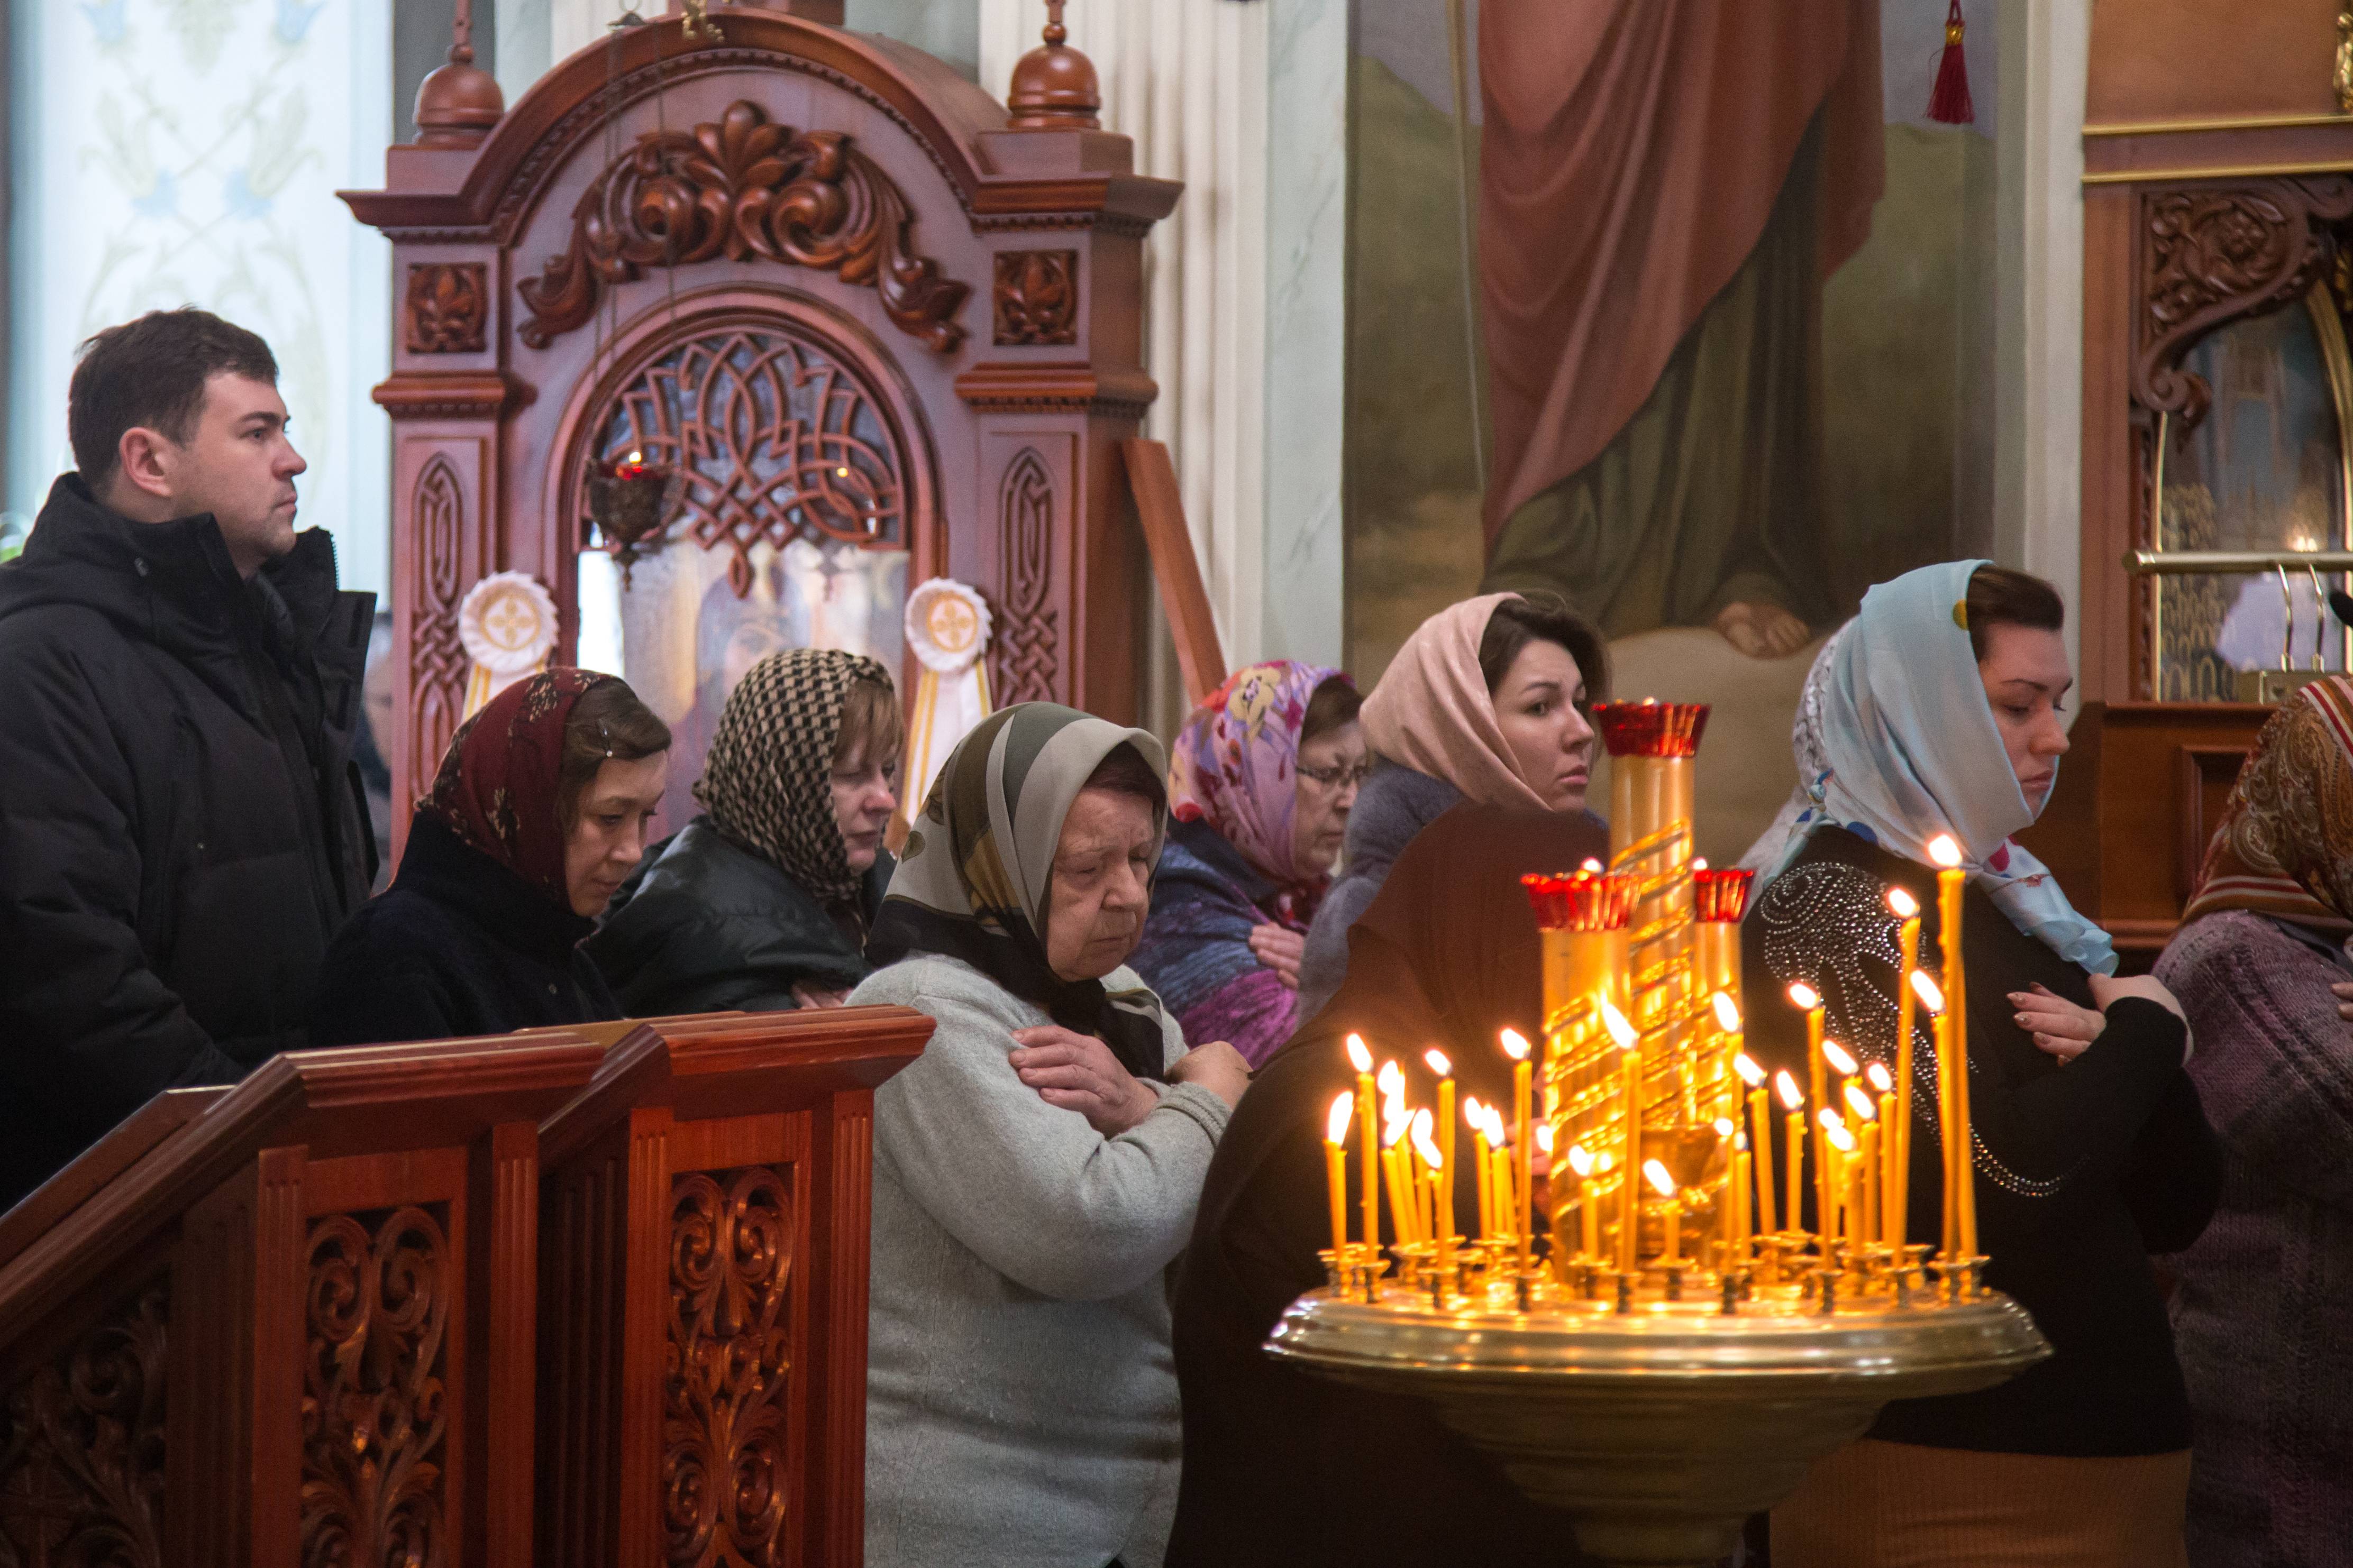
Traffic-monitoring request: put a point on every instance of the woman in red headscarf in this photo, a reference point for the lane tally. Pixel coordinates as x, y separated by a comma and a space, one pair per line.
538, 814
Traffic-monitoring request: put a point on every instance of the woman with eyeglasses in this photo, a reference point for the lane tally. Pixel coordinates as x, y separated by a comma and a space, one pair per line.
1265, 774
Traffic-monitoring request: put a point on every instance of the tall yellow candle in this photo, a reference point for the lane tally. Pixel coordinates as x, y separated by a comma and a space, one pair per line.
1438, 1063
1810, 1001
1656, 1172
1727, 1132
1932, 997
1362, 1060
1507, 1214
1951, 880
1890, 1199
1439, 1229
1336, 1166
1760, 1139
1630, 1111
1396, 1168
1474, 1111
1829, 1128
1793, 1138
1906, 908
1523, 1144
1588, 1213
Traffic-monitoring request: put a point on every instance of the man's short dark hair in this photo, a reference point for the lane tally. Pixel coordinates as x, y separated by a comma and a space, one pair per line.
150, 373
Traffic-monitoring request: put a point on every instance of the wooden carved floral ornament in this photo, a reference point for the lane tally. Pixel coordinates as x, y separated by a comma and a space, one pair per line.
741, 187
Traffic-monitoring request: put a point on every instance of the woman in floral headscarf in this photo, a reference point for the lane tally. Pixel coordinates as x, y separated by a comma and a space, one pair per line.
2261, 968
537, 815
1265, 774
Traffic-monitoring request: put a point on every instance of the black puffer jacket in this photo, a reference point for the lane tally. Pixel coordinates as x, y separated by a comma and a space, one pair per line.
707, 926
459, 945
181, 831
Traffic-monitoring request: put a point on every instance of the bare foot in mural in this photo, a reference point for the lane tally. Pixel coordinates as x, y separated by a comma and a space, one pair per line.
1762, 631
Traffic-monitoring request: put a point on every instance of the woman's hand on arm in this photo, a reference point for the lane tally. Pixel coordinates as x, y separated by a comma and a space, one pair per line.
1279, 949
1078, 1072
1216, 1066
2057, 1024
2343, 991
2108, 990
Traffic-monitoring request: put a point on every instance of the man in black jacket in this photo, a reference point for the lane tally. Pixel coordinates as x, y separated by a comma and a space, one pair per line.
180, 827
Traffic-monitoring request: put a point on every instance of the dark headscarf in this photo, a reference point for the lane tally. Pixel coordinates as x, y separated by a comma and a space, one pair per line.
973, 879
497, 787
765, 780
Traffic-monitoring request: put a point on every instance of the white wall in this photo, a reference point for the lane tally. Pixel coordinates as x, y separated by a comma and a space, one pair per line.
191, 157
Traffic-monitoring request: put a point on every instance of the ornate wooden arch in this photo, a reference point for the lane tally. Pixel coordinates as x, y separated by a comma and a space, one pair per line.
980, 269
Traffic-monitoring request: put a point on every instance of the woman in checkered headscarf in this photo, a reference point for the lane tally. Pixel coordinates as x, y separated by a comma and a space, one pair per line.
762, 903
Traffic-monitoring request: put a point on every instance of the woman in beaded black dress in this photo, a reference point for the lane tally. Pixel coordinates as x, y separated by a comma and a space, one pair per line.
1941, 710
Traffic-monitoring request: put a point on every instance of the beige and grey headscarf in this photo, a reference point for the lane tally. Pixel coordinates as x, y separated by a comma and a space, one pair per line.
973, 879
765, 778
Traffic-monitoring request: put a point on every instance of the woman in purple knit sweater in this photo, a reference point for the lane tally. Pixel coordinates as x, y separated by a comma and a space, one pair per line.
1264, 774
2262, 1316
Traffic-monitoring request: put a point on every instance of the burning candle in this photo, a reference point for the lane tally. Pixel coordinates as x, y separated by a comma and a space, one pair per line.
1841, 1060
1847, 1182
1524, 1143
1395, 1168
1892, 1228
1760, 1139
1951, 880
1438, 1063
1865, 1214
1830, 1126
1810, 1001
1932, 997
1793, 1138
1629, 1095
1474, 1111
1588, 1216
1728, 1206
1336, 1166
1433, 1162
1906, 908
1656, 1172
1362, 1060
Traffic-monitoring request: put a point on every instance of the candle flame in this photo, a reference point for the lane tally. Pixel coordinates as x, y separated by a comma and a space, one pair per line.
1427, 1150
1841, 1060
1925, 989
1591, 865
1655, 1171
1879, 1077
1543, 1136
1786, 1086
1860, 1103
1724, 1128
1750, 1073
1516, 1045
1392, 1129
1904, 905
1391, 1082
1830, 1117
1699, 863
1619, 1030
1360, 1058
1474, 1113
1804, 998
1605, 1162
1437, 1062
1740, 1140
1727, 1015
1842, 1140
1945, 850
1579, 1160
1422, 1123
1343, 1110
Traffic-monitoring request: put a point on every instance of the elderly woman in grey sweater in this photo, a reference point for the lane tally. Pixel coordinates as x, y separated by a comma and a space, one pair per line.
1037, 1169
2260, 1314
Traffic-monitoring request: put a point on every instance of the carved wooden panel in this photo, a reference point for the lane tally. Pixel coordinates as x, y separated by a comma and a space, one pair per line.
2213, 253
1027, 648
448, 307
739, 187
725, 1465
778, 434
438, 663
82, 1447
1035, 301
373, 1417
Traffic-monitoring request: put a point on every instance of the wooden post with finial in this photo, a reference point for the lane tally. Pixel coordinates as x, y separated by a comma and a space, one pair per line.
1054, 85
459, 103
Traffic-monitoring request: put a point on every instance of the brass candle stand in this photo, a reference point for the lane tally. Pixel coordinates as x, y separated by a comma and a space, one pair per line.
1668, 1365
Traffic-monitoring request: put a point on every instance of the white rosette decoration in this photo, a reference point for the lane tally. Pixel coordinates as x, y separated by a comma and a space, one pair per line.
948, 626
507, 625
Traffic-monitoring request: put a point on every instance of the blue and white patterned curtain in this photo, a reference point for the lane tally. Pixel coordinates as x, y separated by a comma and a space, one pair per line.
187, 151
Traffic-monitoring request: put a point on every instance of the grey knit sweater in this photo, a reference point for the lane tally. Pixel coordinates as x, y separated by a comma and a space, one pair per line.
1021, 1400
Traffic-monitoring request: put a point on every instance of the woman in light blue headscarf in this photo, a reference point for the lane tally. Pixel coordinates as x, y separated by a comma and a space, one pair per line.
1941, 710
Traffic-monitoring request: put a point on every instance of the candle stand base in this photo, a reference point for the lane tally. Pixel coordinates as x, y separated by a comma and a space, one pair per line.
1658, 1426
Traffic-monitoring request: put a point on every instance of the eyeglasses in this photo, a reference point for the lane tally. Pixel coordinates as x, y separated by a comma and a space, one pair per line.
1337, 779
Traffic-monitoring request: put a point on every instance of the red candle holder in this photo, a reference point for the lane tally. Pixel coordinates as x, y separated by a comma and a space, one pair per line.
1650, 729
1581, 900
1722, 895
631, 501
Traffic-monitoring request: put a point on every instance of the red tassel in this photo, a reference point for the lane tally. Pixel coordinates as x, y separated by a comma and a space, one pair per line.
1949, 104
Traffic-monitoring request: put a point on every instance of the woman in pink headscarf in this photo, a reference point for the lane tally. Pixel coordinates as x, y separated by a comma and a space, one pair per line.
1488, 700
1264, 776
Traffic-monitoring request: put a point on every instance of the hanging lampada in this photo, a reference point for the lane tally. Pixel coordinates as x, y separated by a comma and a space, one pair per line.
633, 498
